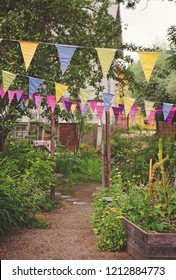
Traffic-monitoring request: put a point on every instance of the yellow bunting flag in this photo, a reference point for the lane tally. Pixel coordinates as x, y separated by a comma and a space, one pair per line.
28, 50
73, 108
60, 90
7, 79
106, 57
148, 107
61, 106
148, 60
84, 95
128, 103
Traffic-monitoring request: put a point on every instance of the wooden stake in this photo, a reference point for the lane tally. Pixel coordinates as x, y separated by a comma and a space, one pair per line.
108, 149
52, 189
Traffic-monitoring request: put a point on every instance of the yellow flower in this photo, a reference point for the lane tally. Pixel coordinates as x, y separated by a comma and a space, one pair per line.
119, 217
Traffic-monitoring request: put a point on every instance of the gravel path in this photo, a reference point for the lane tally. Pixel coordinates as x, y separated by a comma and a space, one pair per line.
70, 236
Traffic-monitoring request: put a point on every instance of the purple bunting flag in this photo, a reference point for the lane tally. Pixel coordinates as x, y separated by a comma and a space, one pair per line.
84, 109
67, 105
38, 100
25, 97
116, 112
65, 54
133, 112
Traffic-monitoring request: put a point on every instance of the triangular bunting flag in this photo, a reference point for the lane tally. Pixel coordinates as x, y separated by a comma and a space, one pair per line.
148, 107
61, 105
21, 105
93, 104
84, 109
100, 109
166, 109
159, 110
107, 97
68, 105
133, 112
28, 50
7, 79
147, 60
171, 115
51, 100
34, 83
19, 93
38, 100
151, 116
106, 57
128, 103
60, 90
11, 95
2, 92
65, 55
116, 111
84, 95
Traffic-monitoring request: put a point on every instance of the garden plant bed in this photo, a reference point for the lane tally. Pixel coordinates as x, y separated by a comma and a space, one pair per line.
149, 245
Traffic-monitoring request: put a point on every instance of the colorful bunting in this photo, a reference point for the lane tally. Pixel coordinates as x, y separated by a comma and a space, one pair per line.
65, 55
28, 50
166, 109
68, 105
7, 79
171, 115
2, 92
19, 93
38, 100
84, 109
11, 95
100, 109
151, 116
133, 112
84, 95
147, 60
148, 107
93, 104
60, 90
107, 98
51, 100
25, 98
106, 57
128, 103
34, 83
61, 105
116, 112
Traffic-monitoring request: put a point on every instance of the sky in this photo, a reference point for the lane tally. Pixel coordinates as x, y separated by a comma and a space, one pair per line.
148, 23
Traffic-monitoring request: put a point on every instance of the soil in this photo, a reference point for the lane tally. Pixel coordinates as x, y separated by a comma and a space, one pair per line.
69, 237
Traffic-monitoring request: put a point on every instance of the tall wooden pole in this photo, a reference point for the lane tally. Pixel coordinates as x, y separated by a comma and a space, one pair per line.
108, 149
52, 189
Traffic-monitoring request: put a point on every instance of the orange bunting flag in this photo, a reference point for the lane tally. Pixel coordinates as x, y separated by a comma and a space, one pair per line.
128, 103
60, 90
106, 57
7, 79
147, 60
28, 50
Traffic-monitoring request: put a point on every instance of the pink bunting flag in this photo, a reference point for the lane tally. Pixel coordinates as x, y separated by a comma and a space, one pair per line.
171, 115
2, 92
38, 100
116, 112
100, 109
133, 112
51, 100
93, 104
151, 116
159, 110
11, 94
19, 93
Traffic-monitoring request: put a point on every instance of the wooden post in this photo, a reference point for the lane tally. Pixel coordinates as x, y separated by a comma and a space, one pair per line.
108, 149
52, 189
102, 164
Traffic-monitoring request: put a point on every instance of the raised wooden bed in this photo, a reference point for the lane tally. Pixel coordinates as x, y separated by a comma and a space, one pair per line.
149, 245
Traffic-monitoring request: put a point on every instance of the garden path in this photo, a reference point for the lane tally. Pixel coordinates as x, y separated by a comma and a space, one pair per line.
69, 237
